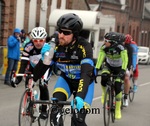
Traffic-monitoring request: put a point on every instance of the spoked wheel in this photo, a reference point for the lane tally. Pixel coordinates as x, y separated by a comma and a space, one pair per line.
25, 112
107, 107
43, 122
131, 91
113, 108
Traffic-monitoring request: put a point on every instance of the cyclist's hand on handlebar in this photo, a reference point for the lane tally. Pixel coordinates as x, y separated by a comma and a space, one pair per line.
79, 103
122, 74
45, 49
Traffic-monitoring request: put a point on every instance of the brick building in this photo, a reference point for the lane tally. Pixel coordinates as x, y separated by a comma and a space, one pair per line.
132, 16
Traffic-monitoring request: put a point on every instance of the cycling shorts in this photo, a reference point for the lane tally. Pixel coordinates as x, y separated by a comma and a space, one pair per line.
136, 72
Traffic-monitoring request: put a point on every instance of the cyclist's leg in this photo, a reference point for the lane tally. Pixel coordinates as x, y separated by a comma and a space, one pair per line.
61, 92
104, 80
118, 91
135, 78
44, 95
126, 87
80, 119
9, 70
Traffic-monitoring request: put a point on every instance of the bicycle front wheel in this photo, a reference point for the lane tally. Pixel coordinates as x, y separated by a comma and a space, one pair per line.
107, 107
24, 117
131, 92
113, 106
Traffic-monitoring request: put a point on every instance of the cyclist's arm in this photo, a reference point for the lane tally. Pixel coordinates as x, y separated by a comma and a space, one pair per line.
124, 57
100, 59
39, 70
87, 71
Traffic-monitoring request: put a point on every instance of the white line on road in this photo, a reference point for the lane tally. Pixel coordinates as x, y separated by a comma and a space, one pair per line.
144, 84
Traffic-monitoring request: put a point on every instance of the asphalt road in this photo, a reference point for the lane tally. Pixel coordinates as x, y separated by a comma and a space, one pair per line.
136, 114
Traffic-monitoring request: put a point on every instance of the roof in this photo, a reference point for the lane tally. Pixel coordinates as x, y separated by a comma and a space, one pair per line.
88, 17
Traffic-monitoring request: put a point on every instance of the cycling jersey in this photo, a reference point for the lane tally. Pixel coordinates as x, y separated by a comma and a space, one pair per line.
30, 55
116, 56
134, 55
130, 53
75, 63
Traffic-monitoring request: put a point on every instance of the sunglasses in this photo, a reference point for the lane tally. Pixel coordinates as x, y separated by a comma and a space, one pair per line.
106, 40
64, 32
38, 40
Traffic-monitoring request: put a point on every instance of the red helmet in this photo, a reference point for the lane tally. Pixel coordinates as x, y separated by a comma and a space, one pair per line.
128, 39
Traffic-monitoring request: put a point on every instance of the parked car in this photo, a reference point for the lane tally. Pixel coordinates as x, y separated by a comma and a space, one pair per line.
143, 55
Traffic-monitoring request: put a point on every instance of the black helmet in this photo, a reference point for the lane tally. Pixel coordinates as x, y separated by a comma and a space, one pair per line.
114, 37
122, 38
71, 22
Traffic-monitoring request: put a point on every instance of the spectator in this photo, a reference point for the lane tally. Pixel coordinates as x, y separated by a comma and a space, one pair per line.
22, 36
13, 54
27, 39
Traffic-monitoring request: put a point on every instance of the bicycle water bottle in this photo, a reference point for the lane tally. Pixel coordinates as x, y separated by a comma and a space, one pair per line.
36, 106
36, 96
49, 55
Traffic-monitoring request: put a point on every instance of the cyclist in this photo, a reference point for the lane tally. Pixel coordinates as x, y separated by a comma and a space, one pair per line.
32, 54
116, 60
128, 71
74, 57
133, 44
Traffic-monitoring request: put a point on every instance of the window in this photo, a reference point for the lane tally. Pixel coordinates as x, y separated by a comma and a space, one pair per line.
101, 34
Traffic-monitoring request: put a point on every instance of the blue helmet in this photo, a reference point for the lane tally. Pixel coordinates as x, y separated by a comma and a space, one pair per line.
17, 30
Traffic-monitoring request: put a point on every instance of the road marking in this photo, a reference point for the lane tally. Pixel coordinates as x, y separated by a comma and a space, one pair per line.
144, 84
147, 83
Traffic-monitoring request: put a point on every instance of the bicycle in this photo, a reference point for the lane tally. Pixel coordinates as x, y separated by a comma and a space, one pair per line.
109, 100
28, 111
57, 103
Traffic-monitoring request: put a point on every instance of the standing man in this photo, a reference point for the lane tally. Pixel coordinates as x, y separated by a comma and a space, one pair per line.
13, 55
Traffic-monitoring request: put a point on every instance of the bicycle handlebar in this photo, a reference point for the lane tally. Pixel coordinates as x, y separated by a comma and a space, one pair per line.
109, 75
51, 102
23, 75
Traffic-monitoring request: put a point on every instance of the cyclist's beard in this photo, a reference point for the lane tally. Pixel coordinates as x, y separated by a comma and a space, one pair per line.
62, 42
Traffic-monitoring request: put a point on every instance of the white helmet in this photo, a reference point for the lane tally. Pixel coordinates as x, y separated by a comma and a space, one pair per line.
38, 33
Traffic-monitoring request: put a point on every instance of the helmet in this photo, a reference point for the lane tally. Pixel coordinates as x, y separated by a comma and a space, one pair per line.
71, 22
17, 30
112, 36
121, 38
38, 33
22, 31
128, 39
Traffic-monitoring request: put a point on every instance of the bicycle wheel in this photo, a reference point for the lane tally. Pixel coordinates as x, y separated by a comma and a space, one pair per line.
25, 111
107, 107
43, 122
131, 92
113, 106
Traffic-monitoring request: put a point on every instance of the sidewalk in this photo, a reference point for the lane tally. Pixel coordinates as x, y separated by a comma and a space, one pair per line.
1, 77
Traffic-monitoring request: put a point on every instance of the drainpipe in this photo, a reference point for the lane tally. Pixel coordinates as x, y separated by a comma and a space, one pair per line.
87, 4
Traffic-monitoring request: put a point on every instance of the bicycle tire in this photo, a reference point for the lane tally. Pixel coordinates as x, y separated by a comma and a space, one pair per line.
43, 122
113, 107
25, 118
131, 92
107, 107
